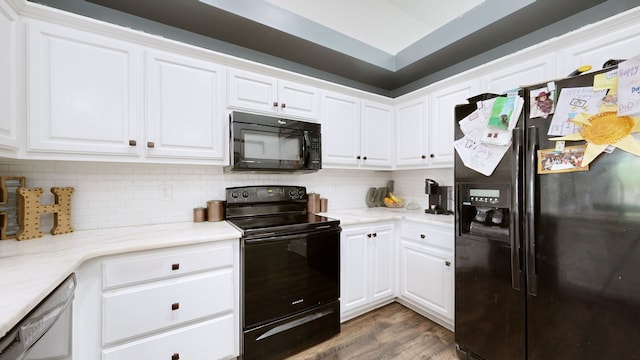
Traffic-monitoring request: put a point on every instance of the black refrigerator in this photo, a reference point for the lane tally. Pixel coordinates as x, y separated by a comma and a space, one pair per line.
547, 265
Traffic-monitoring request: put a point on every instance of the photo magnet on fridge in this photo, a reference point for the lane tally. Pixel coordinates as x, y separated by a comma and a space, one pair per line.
542, 102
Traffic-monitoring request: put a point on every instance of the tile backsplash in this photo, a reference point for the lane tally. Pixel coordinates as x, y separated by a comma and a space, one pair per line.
410, 183
111, 195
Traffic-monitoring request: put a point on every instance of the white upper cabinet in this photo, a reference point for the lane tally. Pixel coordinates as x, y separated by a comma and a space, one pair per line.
377, 135
260, 93
340, 130
519, 72
185, 116
412, 146
594, 47
8, 122
425, 126
83, 92
356, 133
441, 122
90, 95
297, 100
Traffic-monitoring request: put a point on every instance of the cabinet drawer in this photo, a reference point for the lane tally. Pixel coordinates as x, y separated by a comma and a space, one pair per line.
143, 309
211, 339
428, 235
165, 263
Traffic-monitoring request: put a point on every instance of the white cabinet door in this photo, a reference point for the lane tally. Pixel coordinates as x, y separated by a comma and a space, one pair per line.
426, 270
367, 268
185, 117
8, 71
427, 278
266, 94
411, 134
594, 47
382, 265
141, 310
83, 92
297, 100
252, 91
340, 130
209, 339
377, 135
441, 122
354, 268
518, 73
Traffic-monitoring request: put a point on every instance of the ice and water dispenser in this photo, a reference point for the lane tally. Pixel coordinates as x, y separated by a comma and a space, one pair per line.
484, 210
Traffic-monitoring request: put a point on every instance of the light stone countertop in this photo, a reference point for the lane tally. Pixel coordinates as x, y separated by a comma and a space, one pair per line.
367, 215
31, 269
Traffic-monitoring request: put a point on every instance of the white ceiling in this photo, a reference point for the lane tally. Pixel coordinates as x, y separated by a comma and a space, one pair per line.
389, 25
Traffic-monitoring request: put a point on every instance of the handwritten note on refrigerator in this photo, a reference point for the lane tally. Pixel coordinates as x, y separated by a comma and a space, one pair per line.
479, 149
629, 87
571, 102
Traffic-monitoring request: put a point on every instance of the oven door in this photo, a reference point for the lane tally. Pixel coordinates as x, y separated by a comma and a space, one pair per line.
289, 274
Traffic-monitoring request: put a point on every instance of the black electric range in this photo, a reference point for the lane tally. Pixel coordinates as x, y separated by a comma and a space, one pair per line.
290, 270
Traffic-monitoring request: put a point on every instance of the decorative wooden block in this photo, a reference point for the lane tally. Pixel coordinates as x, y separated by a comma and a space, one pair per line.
9, 205
30, 209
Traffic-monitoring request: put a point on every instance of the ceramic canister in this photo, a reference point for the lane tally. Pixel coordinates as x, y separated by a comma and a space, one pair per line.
215, 210
313, 203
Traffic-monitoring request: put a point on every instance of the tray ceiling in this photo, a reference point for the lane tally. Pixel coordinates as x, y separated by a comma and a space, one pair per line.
381, 44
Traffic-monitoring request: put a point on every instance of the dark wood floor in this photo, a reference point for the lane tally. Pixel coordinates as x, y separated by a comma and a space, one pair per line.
391, 332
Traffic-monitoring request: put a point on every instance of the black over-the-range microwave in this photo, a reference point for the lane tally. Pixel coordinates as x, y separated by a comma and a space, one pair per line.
261, 143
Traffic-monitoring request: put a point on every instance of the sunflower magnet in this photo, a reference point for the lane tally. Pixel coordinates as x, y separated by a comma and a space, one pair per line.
605, 129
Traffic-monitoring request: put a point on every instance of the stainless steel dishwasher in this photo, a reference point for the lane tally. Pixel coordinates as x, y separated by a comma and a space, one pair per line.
45, 333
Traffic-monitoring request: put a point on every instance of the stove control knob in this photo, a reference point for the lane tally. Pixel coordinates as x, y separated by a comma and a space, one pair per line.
293, 193
245, 194
301, 192
235, 194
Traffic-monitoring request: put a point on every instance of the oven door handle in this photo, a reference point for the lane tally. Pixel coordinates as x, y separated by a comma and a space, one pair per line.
319, 231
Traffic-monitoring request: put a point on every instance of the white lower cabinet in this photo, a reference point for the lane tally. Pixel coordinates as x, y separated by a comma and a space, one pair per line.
177, 303
426, 271
205, 340
174, 302
367, 268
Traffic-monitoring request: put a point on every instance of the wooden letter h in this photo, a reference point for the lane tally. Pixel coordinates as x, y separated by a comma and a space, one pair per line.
30, 209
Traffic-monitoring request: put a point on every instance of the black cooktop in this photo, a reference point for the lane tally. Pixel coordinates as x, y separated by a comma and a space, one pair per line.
273, 210
280, 224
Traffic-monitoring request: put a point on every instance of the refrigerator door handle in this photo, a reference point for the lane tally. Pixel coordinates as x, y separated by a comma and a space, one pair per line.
530, 201
514, 237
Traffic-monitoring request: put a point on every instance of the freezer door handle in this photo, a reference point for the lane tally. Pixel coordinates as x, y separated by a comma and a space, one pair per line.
514, 238
530, 201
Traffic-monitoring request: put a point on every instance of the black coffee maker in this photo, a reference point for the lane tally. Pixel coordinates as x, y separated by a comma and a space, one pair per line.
438, 197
